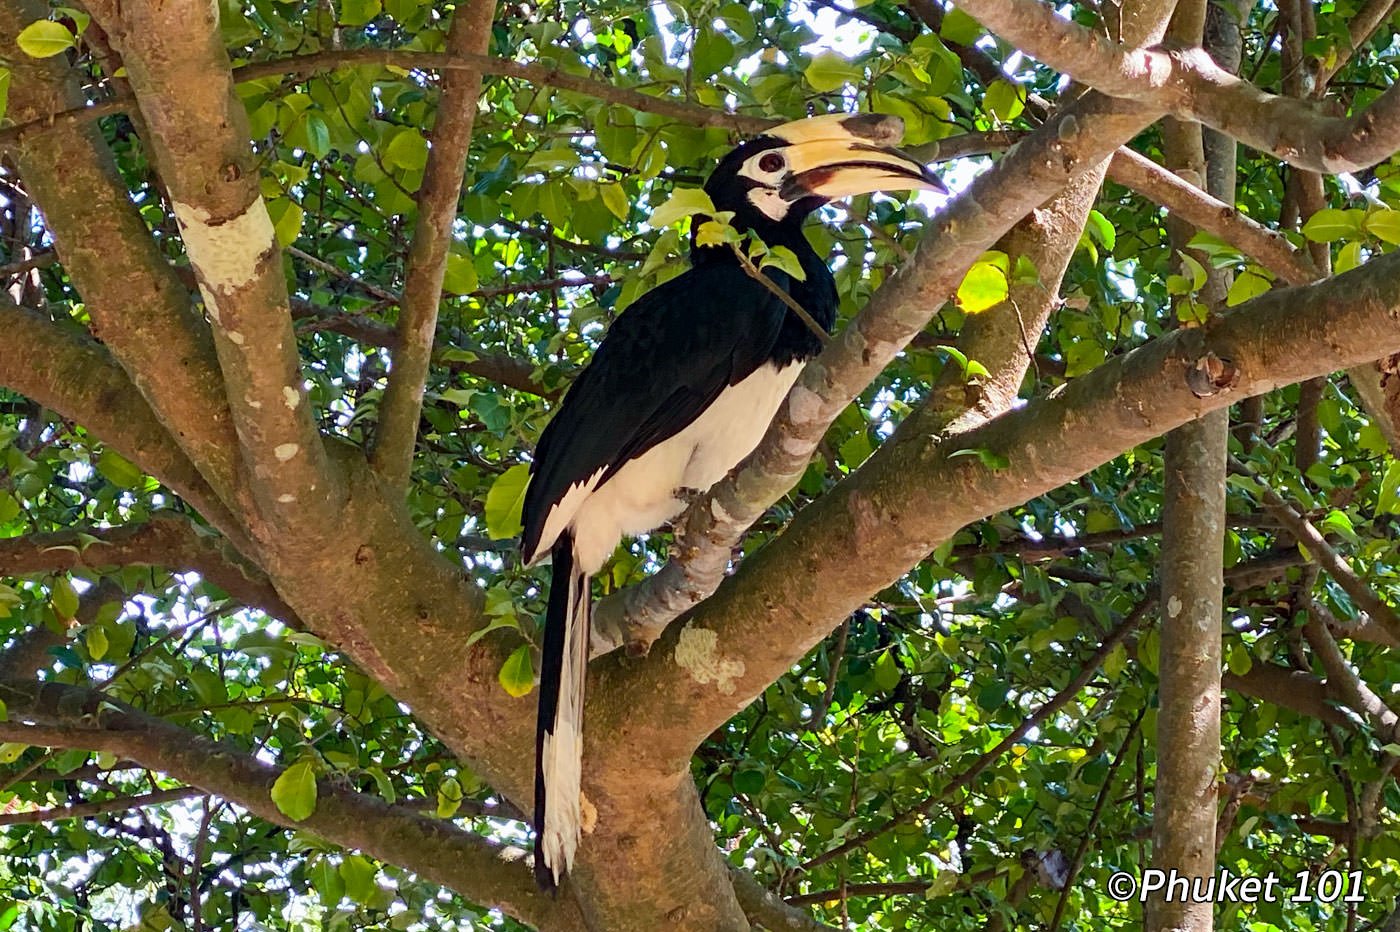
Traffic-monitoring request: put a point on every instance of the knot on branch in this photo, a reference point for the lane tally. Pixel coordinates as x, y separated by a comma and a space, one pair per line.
1211, 374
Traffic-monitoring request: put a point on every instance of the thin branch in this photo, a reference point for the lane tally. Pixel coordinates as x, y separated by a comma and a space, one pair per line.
476, 867
1324, 554
1061, 698
757, 275
494, 367
166, 540
395, 438
1077, 861
103, 807
1269, 248
1358, 696
1360, 30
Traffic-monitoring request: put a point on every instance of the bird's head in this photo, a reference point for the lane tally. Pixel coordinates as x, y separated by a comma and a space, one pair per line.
783, 175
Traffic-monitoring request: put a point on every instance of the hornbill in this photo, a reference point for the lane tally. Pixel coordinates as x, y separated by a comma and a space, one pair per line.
682, 388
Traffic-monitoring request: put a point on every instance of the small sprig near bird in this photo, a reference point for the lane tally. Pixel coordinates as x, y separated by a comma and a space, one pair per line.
681, 389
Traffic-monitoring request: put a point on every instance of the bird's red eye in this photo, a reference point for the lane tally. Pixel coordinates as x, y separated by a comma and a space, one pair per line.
771, 162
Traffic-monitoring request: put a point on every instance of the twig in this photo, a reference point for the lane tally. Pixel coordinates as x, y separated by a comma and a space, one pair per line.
757, 275
84, 810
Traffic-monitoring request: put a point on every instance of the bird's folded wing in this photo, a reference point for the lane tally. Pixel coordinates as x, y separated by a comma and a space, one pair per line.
664, 361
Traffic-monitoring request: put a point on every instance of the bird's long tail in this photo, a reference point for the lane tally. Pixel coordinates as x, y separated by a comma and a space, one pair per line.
559, 728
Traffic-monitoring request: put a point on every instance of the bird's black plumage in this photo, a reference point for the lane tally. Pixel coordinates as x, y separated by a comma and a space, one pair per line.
681, 389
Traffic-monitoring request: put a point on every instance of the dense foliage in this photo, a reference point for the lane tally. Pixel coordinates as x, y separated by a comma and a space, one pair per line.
976, 744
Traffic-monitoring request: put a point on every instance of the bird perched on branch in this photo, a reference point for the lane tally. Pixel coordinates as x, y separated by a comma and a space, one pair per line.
682, 388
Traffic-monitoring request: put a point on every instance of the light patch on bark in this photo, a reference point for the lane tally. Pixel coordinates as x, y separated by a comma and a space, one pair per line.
804, 405
286, 499
697, 653
285, 451
1173, 607
588, 813
291, 397
253, 403
235, 338
226, 254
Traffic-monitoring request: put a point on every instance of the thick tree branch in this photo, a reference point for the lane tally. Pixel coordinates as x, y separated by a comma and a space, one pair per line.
397, 433
1187, 83
913, 494
1290, 689
1032, 172
139, 308
479, 869
73, 375
180, 73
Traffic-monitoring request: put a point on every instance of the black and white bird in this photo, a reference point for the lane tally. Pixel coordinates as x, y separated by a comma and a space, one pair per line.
682, 388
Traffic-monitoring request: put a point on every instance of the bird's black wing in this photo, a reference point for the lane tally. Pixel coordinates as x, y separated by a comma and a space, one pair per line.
663, 362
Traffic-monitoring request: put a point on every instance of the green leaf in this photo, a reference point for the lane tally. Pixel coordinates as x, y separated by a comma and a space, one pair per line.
780, 257
1190, 264
983, 287
1239, 661
1337, 522
326, 881
286, 215
828, 71
4, 91
517, 674
359, 874
460, 275
1248, 284
988, 458
712, 52
9, 598
408, 150
1083, 356
615, 200
1102, 230
449, 798
505, 501
1388, 500
1384, 225
749, 780
294, 792
45, 39
1329, 225
683, 202
64, 598
1348, 257
960, 28
318, 134
887, 672
97, 643
359, 12
118, 470
11, 751
1005, 100
4, 711
9, 507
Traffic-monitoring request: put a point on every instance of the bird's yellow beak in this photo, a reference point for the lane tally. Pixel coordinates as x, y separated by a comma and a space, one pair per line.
844, 154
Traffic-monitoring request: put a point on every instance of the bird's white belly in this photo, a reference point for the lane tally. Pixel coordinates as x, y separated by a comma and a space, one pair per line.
642, 494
